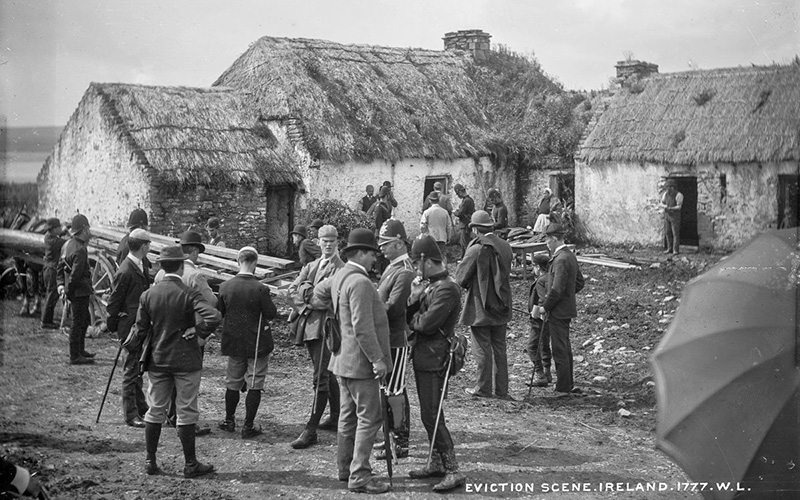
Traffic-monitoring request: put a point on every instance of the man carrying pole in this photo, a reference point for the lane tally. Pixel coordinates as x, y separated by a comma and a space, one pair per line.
246, 309
435, 308
130, 281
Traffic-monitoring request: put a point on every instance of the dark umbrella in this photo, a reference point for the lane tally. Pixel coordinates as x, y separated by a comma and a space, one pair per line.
728, 377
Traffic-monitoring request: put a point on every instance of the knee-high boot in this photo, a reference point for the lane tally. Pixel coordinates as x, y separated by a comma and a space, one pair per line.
453, 478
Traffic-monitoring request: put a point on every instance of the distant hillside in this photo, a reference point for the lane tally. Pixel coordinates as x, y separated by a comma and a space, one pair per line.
30, 139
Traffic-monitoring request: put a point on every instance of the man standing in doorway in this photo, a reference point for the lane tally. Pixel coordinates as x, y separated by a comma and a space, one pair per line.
436, 222
485, 273
444, 199
564, 280
671, 202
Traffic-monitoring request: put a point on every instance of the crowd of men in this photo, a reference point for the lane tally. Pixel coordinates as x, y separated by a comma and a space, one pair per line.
360, 328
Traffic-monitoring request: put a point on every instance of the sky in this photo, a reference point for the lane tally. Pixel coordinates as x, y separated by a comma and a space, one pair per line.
52, 50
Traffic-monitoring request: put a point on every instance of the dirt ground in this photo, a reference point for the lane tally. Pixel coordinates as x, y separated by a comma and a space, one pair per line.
536, 447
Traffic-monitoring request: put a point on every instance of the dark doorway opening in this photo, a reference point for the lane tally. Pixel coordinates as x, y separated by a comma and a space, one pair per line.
279, 221
430, 181
687, 186
563, 186
788, 206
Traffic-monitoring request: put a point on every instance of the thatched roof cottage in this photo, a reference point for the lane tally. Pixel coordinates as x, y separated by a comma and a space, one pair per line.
180, 153
729, 137
362, 114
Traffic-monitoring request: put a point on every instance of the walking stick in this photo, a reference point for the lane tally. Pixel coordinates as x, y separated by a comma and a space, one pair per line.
441, 403
255, 358
533, 372
108, 385
387, 447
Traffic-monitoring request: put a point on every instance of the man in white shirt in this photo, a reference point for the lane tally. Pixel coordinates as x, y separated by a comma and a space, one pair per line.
436, 222
671, 202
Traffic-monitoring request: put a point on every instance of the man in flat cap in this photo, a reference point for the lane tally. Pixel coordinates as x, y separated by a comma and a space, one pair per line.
485, 274
307, 250
170, 319
130, 282
671, 203
246, 306
309, 322
52, 251
360, 362
74, 278
564, 280
464, 215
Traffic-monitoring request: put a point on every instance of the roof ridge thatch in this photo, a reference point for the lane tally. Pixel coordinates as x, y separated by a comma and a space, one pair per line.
732, 115
201, 135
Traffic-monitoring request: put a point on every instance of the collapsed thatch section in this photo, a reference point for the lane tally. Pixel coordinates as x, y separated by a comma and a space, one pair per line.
733, 115
365, 102
194, 135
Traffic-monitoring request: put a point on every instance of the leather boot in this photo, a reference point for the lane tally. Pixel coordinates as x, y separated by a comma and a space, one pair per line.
453, 478
305, 439
548, 375
539, 380
436, 469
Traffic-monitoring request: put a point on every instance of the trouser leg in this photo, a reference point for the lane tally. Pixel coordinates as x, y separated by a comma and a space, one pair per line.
500, 359
562, 353
429, 390
132, 395
80, 322
51, 293
482, 348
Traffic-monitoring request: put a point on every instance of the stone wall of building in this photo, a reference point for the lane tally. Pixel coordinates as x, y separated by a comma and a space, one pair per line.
93, 169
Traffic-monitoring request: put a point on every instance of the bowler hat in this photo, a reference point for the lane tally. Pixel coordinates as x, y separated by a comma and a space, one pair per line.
392, 230
554, 229
317, 223
53, 222
427, 246
172, 253
212, 223
361, 239
193, 238
434, 196
481, 218
328, 231
139, 234
79, 223
300, 229
138, 218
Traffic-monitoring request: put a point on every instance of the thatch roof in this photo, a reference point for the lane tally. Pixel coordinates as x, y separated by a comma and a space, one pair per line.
366, 102
733, 115
187, 135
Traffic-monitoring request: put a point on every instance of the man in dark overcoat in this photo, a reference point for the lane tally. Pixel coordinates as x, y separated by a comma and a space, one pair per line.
434, 307
246, 307
564, 281
130, 282
309, 332
74, 278
464, 215
485, 272
52, 252
362, 359
171, 318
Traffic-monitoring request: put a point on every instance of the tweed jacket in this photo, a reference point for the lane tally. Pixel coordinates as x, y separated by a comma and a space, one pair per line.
433, 321
565, 280
484, 272
394, 289
167, 310
245, 303
73, 269
129, 284
363, 322
300, 292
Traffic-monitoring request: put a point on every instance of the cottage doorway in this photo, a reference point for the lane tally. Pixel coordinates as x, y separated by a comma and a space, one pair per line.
279, 220
430, 181
687, 186
788, 197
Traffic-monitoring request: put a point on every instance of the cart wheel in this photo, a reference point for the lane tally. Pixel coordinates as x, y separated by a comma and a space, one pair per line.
103, 271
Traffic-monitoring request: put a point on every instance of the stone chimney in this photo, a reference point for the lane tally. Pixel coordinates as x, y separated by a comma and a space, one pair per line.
475, 41
640, 69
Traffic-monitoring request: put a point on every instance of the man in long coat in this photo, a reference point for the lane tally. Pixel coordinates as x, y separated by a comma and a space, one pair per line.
75, 281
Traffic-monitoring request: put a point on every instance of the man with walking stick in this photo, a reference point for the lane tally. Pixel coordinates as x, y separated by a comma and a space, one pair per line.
246, 308
435, 308
309, 325
130, 281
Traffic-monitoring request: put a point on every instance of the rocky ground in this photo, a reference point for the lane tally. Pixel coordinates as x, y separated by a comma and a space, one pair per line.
532, 448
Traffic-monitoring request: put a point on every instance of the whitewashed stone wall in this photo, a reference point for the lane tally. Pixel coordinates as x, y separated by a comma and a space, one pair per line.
619, 202
92, 170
